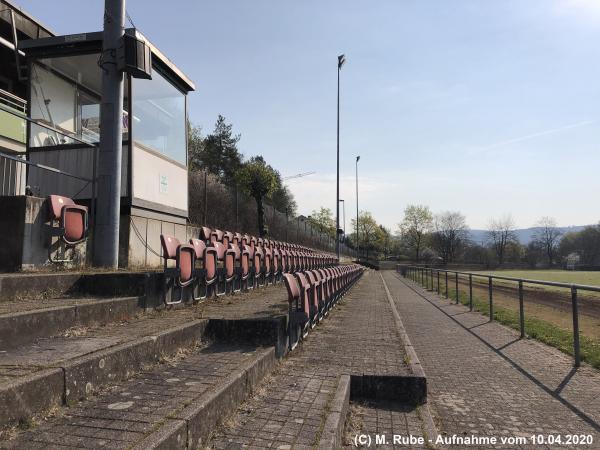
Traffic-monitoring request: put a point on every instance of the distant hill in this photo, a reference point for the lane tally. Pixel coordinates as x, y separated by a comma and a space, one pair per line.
524, 235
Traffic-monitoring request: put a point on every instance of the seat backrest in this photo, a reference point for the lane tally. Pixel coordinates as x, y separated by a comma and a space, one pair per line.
306, 286
205, 233
210, 262
186, 262
169, 245
221, 249
245, 260
311, 277
230, 262
74, 223
227, 238
216, 236
55, 205
199, 247
292, 287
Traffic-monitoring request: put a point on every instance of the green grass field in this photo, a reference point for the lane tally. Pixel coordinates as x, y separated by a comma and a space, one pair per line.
560, 276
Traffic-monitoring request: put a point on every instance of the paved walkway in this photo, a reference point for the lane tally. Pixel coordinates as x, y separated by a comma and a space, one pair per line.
483, 380
358, 337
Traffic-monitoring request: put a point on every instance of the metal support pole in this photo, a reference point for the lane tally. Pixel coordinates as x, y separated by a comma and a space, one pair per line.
491, 299
337, 195
521, 310
106, 239
456, 285
470, 292
575, 327
357, 236
446, 284
205, 197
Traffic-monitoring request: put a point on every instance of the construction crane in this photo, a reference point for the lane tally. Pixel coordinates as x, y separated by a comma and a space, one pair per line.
298, 175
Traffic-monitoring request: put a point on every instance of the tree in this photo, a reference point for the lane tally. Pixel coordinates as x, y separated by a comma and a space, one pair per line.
585, 243
370, 233
323, 221
259, 180
416, 224
450, 232
219, 154
500, 233
533, 254
548, 237
386, 243
195, 147
282, 198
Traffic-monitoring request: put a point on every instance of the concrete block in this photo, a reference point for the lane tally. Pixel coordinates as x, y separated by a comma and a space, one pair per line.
20, 399
137, 242
153, 239
172, 435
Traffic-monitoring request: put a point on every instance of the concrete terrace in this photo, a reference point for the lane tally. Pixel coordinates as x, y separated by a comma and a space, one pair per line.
389, 359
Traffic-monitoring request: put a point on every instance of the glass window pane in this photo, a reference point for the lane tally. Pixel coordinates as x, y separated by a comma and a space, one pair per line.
159, 117
65, 94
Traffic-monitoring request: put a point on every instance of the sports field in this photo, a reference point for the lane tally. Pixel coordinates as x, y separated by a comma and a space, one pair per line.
560, 276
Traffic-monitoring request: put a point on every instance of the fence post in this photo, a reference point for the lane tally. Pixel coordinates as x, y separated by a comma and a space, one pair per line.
438, 282
446, 284
491, 300
470, 292
521, 310
575, 326
456, 285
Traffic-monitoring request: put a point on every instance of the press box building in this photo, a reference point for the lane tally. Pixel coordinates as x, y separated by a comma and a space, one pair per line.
62, 90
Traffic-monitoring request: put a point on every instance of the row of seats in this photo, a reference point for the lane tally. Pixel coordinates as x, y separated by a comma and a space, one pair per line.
221, 262
312, 294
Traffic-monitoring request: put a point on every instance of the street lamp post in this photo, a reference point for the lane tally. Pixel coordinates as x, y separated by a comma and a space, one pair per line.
357, 241
343, 215
341, 61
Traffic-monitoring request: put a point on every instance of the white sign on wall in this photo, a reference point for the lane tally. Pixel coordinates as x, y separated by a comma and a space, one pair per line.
163, 184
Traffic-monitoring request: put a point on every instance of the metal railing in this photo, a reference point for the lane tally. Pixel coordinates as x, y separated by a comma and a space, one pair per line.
430, 277
11, 125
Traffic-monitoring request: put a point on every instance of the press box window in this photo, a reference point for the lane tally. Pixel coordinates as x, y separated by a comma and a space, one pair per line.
159, 117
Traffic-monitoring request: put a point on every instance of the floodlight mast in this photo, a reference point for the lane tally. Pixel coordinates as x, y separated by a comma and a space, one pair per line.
106, 228
341, 61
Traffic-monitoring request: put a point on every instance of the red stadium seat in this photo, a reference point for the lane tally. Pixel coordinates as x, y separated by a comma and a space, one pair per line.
182, 275
71, 222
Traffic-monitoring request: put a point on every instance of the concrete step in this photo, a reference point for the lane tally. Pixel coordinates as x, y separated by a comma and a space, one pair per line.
62, 369
49, 285
25, 321
174, 404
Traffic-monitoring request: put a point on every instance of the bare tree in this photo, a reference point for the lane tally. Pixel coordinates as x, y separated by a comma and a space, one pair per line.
450, 233
548, 237
500, 233
417, 223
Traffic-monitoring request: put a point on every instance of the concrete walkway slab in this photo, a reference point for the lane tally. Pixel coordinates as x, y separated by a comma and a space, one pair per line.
484, 380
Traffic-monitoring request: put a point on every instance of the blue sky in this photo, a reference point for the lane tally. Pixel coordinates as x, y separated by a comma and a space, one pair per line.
486, 107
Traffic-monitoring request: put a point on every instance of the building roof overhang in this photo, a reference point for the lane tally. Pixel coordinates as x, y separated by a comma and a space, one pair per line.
92, 42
